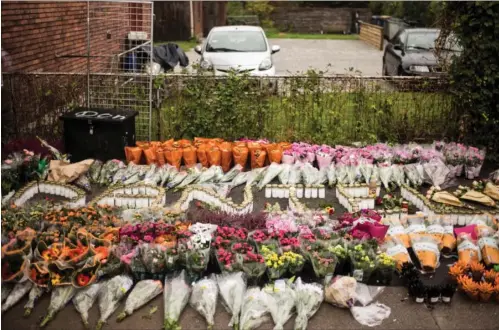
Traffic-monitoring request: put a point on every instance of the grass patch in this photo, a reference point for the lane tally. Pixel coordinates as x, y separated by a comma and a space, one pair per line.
185, 45
274, 34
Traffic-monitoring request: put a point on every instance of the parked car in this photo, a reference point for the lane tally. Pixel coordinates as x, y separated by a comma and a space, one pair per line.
411, 52
244, 49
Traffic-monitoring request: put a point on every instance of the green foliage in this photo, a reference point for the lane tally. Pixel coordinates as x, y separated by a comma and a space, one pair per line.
310, 108
424, 13
262, 9
475, 73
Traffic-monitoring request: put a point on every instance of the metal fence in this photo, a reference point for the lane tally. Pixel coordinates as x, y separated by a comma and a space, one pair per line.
333, 109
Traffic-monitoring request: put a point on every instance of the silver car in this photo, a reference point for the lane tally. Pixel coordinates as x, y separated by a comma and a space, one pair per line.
243, 49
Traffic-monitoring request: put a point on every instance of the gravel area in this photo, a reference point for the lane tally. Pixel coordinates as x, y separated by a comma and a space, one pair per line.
333, 56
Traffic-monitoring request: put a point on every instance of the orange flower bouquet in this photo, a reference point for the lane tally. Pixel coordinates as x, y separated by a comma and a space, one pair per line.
426, 249
471, 288
467, 250
477, 270
486, 290
455, 271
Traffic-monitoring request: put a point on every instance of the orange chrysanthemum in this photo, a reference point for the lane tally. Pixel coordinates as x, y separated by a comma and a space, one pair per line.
476, 266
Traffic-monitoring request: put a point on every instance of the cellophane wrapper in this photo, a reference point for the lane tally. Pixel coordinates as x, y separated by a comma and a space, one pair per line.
230, 175
272, 172
413, 175
256, 176
398, 174
309, 174
425, 247
385, 175
438, 174
396, 249
108, 171
175, 296
110, 296
207, 175
232, 287
342, 174
280, 302
204, 299
61, 295
153, 175
143, 292
17, 293
197, 260
352, 173
176, 180
308, 300
6, 289
193, 174
240, 179
34, 294
84, 300
284, 174
295, 174
254, 309
366, 170
331, 175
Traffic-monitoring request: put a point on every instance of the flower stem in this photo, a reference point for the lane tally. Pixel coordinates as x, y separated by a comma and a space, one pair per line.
121, 317
46, 320
99, 325
27, 312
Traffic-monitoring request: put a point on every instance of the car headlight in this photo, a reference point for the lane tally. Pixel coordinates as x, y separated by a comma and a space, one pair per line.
265, 65
419, 68
205, 65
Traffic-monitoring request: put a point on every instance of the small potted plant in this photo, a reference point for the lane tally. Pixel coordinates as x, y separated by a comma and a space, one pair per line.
486, 290
385, 267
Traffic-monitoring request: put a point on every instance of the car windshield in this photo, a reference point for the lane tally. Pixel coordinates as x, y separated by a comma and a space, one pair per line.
421, 40
236, 41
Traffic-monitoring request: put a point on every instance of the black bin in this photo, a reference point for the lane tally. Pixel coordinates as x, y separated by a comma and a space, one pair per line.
98, 133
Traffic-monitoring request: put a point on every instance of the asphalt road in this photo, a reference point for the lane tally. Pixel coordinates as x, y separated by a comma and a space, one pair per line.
332, 56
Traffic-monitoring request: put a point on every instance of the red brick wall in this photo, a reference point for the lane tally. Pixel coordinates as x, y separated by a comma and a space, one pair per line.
35, 34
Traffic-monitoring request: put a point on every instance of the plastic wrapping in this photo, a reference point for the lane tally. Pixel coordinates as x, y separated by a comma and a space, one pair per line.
340, 291
254, 309
310, 174
143, 292
94, 171
385, 175
207, 175
230, 175
193, 174
467, 250
17, 293
272, 172
240, 179
84, 300
372, 315
308, 300
398, 175
204, 299
59, 298
295, 174
342, 174
34, 294
152, 175
331, 175
366, 170
280, 302
232, 287
426, 249
110, 296
175, 296
6, 289
438, 174
176, 180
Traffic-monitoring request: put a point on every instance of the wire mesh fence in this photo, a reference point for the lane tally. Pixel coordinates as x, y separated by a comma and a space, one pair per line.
332, 110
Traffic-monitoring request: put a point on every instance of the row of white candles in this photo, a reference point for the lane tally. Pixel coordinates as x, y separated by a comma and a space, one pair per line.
76, 195
282, 191
460, 219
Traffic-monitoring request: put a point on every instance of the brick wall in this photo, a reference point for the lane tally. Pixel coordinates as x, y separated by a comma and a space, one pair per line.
38, 36
315, 20
372, 34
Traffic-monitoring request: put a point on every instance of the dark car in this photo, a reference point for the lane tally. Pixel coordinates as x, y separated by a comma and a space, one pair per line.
411, 53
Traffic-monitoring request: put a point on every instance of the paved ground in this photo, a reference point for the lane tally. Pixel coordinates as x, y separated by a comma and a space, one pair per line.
333, 56
405, 314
